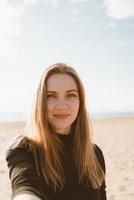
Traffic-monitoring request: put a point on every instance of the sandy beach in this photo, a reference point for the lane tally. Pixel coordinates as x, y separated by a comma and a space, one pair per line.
115, 136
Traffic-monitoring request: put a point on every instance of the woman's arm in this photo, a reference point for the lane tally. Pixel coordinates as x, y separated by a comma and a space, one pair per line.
101, 160
22, 171
103, 192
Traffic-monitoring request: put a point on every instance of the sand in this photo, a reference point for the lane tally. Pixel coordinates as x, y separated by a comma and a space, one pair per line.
115, 136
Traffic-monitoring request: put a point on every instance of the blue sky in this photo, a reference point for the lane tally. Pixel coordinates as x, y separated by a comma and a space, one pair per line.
96, 37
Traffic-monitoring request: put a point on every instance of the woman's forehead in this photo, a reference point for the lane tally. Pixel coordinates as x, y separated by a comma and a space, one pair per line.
61, 81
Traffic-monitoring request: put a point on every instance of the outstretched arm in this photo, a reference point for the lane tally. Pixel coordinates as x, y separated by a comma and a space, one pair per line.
22, 172
26, 197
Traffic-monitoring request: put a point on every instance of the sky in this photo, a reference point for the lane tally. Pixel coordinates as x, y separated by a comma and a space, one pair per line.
96, 37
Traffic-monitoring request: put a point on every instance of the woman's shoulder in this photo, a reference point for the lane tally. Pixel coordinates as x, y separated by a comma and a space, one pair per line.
97, 148
19, 149
99, 155
17, 143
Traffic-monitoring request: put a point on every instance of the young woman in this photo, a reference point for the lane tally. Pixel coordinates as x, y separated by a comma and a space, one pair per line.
57, 159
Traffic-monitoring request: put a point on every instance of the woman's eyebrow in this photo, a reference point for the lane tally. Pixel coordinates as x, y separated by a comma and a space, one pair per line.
51, 92
73, 90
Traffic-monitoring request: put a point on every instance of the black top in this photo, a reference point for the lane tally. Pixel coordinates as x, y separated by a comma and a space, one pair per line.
25, 179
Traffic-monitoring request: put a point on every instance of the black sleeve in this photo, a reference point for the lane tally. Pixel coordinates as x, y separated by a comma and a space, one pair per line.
101, 160
22, 171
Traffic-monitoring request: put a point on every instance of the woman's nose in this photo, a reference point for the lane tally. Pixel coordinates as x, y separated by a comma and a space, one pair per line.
61, 103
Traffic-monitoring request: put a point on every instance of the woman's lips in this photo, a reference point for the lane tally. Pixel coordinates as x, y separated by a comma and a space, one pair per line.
57, 116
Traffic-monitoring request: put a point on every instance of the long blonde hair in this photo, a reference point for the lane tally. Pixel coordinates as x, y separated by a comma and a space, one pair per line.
50, 147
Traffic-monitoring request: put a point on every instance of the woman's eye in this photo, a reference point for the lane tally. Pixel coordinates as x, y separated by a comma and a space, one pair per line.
51, 96
68, 96
72, 95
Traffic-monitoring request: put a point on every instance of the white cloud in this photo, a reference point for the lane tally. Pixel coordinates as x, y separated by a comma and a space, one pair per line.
11, 13
75, 15
122, 44
30, 2
54, 3
112, 24
125, 43
26, 3
75, 1
119, 9
9, 28
132, 26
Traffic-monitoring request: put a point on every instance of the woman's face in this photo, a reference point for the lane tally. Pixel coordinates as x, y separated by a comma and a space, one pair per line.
62, 102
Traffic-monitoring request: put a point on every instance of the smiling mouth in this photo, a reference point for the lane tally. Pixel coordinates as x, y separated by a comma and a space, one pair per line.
59, 116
